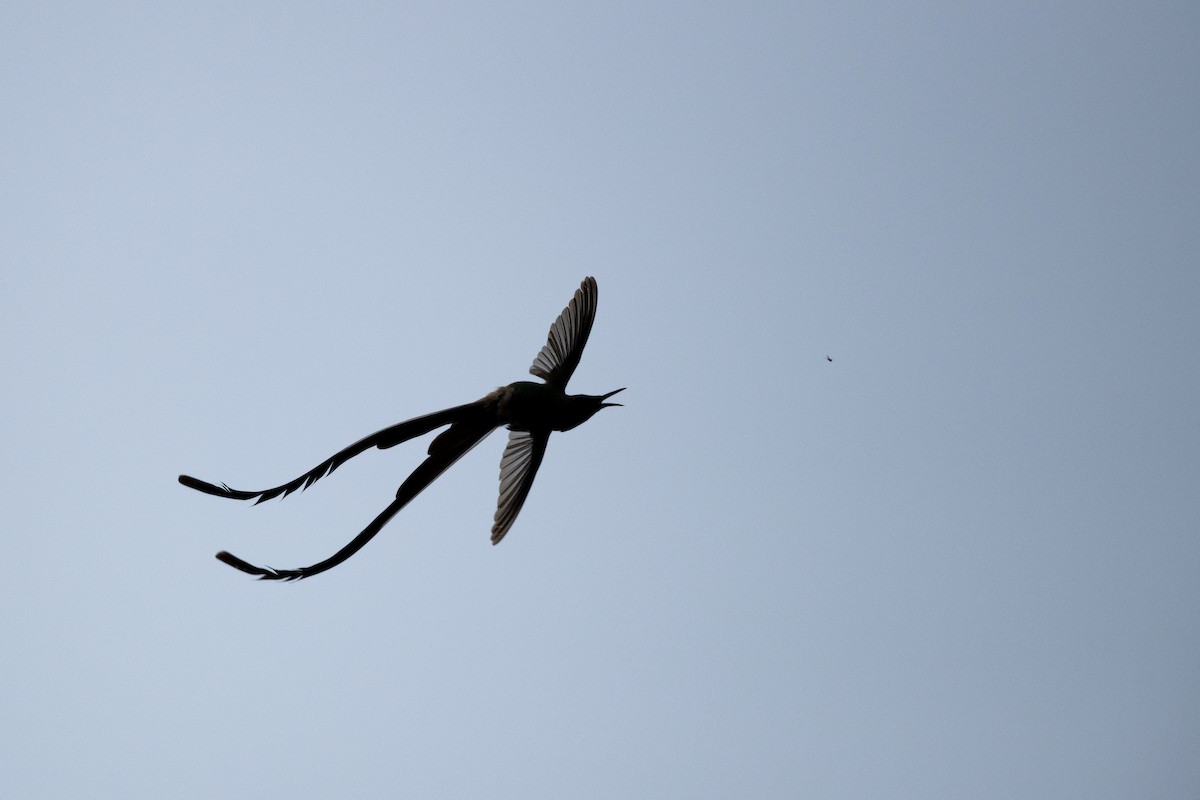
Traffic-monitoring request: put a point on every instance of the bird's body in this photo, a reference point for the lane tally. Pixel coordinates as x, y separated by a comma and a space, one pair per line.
530, 410
529, 406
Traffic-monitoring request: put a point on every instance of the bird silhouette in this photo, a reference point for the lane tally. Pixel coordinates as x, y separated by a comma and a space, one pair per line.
530, 410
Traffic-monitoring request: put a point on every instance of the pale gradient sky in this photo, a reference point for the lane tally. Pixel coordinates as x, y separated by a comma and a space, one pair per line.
961, 560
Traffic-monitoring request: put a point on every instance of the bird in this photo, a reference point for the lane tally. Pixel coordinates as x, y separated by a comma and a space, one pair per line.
830, 360
530, 410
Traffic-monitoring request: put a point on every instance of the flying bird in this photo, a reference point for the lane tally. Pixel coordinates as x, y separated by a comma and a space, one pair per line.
530, 410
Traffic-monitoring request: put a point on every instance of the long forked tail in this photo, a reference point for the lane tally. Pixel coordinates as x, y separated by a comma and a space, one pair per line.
446, 449
388, 437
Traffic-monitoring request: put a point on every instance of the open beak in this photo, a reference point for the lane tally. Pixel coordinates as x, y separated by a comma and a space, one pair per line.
604, 397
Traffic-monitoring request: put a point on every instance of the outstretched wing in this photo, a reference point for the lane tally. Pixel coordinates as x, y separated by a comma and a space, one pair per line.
569, 333
518, 466
388, 437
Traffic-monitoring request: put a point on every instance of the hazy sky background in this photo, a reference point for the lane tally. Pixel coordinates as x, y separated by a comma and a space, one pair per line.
961, 560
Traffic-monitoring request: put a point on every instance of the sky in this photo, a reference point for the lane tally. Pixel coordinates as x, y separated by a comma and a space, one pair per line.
960, 559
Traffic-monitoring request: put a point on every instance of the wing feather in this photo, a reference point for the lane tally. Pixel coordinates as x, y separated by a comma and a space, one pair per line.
568, 335
518, 466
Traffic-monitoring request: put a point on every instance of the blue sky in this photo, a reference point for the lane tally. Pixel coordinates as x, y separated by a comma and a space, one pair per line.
959, 560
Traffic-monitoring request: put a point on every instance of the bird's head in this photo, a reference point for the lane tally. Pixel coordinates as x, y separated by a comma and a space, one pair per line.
586, 406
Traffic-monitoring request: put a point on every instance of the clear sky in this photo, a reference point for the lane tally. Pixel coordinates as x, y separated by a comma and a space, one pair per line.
960, 560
